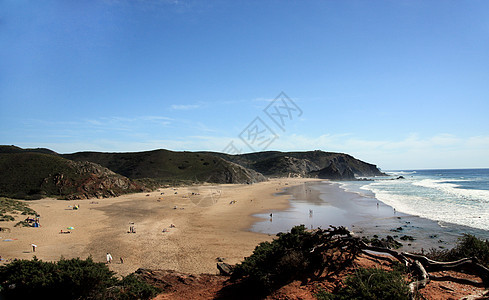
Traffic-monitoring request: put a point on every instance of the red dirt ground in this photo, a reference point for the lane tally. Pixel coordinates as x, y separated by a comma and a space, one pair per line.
206, 286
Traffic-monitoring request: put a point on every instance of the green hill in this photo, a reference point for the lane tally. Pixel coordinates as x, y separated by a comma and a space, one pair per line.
15, 149
35, 173
32, 175
306, 164
166, 166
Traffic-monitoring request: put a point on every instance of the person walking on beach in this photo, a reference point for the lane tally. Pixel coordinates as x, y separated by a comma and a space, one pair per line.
34, 247
109, 258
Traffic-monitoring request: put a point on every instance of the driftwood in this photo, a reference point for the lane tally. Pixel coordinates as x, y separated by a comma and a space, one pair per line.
425, 278
419, 265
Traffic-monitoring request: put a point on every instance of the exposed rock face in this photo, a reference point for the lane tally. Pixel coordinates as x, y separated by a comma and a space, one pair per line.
348, 173
225, 268
234, 173
33, 175
332, 172
217, 167
301, 164
285, 166
164, 165
92, 181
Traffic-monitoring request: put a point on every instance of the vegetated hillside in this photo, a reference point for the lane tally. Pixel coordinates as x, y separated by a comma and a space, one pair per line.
166, 166
31, 175
306, 164
15, 149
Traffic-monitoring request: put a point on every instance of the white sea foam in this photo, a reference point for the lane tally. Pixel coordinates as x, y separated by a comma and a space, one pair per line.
436, 207
454, 189
398, 173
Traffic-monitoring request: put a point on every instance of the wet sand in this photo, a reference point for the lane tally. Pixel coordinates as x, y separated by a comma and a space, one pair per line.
364, 215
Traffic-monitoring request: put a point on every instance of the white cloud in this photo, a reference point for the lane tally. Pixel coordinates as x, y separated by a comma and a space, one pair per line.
185, 106
411, 152
124, 123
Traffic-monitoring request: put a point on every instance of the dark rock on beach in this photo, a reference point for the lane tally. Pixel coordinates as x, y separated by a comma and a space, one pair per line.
333, 172
225, 269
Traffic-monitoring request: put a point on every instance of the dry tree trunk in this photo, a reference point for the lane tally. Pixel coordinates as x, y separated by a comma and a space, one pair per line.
469, 265
420, 264
425, 278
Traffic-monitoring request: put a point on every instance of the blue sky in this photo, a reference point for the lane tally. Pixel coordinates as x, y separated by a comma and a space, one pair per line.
402, 84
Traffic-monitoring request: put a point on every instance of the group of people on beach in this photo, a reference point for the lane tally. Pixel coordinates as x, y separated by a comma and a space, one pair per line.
34, 221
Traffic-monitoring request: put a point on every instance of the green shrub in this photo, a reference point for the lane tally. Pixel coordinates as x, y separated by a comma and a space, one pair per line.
131, 287
467, 246
4, 218
294, 256
11, 206
372, 284
68, 279
276, 262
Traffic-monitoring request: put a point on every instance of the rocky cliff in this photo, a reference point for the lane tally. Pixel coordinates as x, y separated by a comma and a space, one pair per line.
304, 164
33, 175
332, 172
166, 166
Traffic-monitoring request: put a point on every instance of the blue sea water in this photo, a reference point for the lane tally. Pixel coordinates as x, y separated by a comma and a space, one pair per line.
459, 196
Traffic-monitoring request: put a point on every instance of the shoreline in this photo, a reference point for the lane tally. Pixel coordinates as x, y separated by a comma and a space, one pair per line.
331, 204
210, 221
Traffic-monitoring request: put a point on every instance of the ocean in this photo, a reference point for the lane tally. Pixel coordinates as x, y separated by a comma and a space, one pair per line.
459, 196
427, 204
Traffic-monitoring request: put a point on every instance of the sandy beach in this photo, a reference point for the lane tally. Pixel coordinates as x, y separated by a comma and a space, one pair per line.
210, 221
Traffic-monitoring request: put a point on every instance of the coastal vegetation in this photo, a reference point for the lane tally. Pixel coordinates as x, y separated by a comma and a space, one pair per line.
36, 173
33, 175
297, 255
11, 207
69, 279
467, 246
371, 283
171, 167
333, 260
321, 254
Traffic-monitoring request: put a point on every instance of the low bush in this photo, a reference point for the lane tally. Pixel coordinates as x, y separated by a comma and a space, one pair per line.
67, 279
372, 284
296, 255
131, 287
11, 206
467, 246
275, 262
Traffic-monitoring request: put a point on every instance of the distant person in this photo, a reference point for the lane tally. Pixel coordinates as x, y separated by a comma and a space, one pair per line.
34, 247
122, 261
109, 258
